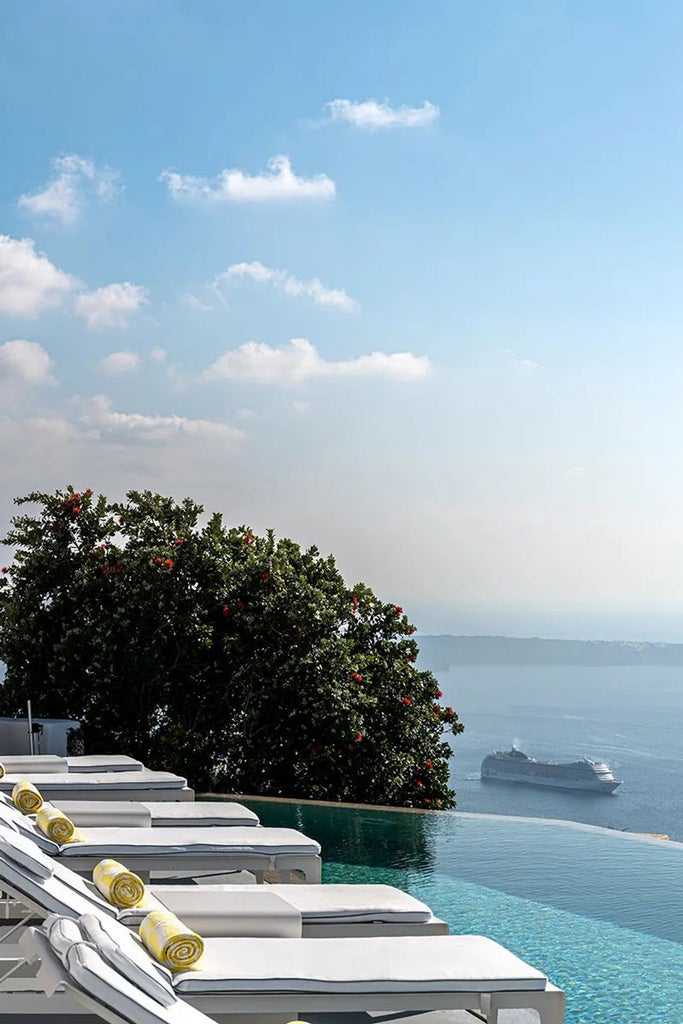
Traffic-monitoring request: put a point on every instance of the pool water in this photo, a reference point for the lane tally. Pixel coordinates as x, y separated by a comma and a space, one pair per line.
600, 912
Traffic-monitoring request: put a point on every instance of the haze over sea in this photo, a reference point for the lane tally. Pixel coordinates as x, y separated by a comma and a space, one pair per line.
629, 716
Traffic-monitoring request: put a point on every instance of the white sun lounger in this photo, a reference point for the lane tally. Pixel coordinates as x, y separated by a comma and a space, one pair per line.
189, 850
151, 814
43, 764
248, 977
45, 886
136, 785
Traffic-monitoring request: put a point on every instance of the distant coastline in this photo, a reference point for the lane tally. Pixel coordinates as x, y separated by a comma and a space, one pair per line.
444, 651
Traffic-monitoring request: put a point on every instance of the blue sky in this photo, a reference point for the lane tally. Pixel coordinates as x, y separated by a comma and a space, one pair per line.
472, 215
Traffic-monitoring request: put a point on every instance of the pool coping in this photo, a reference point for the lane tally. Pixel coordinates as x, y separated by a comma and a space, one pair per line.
562, 822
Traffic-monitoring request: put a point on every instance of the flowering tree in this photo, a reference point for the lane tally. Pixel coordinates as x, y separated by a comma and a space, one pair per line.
244, 661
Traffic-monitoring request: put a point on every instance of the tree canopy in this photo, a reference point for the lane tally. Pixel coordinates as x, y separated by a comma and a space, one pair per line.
244, 661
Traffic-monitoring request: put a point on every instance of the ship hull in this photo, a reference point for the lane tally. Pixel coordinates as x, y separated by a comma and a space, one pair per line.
587, 786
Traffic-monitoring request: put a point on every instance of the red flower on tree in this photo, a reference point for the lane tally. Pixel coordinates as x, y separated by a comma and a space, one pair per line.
418, 782
169, 563
225, 611
265, 576
178, 541
76, 510
158, 560
248, 539
357, 677
4, 569
406, 701
439, 694
122, 520
398, 609
428, 764
359, 737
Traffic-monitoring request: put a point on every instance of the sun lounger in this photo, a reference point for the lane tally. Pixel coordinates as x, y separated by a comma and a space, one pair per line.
192, 851
44, 885
291, 976
137, 785
152, 814
43, 764
202, 813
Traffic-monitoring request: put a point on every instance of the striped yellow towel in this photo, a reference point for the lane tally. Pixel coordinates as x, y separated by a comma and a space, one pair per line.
26, 797
54, 824
2, 770
170, 942
117, 884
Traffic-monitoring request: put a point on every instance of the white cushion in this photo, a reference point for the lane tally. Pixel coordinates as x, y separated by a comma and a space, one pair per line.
90, 973
107, 813
25, 853
366, 966
117, 843
202, 813
102, 763
354, 904
27, 827
62, 784
123, 952
34, 764
62, 933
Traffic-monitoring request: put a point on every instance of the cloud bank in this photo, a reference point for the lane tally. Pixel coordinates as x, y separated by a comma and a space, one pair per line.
277, 184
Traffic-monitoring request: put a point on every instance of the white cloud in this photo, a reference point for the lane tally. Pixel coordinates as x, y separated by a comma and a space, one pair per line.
372, 115
25, 362
300, 361
188, 299
120, 363
98, 416
158, 355
75, 181
278, 183
290, 285
111, 305
29, 282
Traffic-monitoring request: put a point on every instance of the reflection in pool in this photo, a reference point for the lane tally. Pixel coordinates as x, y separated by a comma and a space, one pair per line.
599, 912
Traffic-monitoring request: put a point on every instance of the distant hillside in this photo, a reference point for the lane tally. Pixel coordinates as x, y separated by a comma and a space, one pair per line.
440, 652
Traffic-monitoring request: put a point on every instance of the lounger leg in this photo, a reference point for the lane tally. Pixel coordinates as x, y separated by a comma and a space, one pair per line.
259, 876
549, 1005
314, 871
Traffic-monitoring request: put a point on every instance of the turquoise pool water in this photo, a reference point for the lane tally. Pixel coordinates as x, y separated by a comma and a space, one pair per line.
600, 912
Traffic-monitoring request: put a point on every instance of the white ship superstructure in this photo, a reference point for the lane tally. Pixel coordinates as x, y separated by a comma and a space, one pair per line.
515, 766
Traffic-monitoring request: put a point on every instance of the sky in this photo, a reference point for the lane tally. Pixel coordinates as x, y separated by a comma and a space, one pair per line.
399, 280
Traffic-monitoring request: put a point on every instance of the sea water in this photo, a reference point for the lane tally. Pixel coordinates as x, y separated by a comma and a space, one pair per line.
631, 717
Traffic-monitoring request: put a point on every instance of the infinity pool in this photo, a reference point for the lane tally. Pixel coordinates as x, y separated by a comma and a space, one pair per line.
600, 912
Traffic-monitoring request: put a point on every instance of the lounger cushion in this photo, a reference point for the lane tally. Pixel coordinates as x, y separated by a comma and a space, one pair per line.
123, 952
110, 781
354, 904
119, 843
102, 763
48, 895
367, 966
105, 986
203, 813
34, 764
62, 933
26, 827
25, 854
107, 813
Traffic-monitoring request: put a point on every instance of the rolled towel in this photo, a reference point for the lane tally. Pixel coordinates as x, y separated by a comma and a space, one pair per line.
2, 770
170, 942
118, 885
54, 824
26, 797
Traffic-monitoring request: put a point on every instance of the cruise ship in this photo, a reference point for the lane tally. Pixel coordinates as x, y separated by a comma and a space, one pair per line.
515, 766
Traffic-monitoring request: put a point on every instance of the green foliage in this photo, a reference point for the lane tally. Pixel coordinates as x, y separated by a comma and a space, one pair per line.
242, 660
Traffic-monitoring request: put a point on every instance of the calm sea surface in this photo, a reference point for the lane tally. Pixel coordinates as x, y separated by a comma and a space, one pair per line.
630, 717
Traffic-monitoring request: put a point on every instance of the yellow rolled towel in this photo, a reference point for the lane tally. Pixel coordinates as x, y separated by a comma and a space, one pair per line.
170, 942
118, 885
26, 797
2, 770
54, 824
